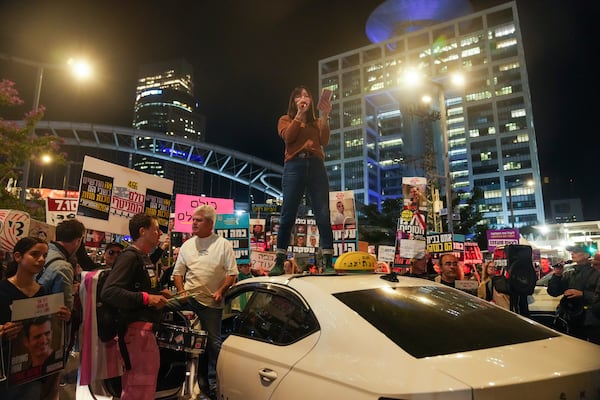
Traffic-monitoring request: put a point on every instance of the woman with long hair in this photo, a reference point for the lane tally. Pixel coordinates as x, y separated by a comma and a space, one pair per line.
304, 171
29, 256
486, 289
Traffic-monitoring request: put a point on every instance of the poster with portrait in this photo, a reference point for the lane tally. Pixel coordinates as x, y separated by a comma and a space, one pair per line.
257, 234
342, 210
40, 347
414, 193
59, 209
343, 222
300, 236
410, 235
109, 195
273, 232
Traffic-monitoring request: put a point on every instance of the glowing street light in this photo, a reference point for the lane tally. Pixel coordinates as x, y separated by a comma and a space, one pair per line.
79, 68
529, 183
44, 159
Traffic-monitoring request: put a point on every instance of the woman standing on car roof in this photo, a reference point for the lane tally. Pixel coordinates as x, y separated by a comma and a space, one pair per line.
304, 171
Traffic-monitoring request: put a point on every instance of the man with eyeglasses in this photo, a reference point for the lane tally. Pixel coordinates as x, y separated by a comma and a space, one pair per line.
111, 253
448, 269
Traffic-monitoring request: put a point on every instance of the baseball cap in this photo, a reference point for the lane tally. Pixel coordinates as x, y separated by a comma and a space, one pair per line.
577, 249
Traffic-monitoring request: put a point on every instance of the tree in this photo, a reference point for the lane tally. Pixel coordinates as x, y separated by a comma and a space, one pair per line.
20, 145
379, 227
470, 219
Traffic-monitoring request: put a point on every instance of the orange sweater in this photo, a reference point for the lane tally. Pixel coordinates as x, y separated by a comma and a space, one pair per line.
300, 137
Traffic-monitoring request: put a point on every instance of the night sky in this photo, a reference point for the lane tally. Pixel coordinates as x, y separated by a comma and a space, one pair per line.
249, 55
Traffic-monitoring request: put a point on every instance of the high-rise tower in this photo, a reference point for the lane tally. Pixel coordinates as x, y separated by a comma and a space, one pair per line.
165, 102
377, 137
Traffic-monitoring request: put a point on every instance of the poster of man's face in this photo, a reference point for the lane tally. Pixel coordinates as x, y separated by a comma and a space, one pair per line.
38, 349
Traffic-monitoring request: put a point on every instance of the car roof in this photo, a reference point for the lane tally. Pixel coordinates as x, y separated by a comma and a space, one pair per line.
337, 283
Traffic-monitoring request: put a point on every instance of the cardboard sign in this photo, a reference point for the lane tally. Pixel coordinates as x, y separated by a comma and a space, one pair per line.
14, 225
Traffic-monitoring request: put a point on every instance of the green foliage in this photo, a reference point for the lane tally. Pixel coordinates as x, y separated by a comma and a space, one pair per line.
20, 145
470, 219
379, 227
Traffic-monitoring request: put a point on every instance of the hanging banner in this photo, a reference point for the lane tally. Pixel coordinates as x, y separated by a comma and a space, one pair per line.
109, 195
236, 229
186, 204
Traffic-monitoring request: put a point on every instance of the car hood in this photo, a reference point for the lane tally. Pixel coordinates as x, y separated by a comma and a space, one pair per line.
556, 368
544, 369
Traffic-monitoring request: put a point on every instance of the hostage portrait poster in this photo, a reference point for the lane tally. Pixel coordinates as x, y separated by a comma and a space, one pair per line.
40, 346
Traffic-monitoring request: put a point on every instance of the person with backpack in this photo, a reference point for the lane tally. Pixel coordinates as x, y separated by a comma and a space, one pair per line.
58, 276
578, 288
132, 288
58, 273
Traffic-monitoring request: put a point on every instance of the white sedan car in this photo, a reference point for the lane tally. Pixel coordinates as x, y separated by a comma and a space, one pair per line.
382, 337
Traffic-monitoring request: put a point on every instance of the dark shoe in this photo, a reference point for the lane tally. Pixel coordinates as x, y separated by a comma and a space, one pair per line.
278, 267
212, 395
328, 264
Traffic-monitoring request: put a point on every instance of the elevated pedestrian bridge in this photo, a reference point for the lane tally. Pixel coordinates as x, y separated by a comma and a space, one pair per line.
242, 168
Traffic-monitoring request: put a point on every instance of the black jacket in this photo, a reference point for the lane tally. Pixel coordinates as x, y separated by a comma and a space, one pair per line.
132, 274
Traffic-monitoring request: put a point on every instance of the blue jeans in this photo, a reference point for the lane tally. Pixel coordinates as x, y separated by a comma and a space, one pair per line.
300, 176
210, 322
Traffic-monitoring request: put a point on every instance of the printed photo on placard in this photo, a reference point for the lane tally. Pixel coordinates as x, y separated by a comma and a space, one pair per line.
39, 348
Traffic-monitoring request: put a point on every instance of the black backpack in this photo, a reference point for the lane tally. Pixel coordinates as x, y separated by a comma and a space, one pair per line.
521, 272
107, 316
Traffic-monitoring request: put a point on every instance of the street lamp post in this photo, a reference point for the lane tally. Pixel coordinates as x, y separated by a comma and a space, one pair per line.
450, 210
79, 68
46, 159
511, 208
412, 76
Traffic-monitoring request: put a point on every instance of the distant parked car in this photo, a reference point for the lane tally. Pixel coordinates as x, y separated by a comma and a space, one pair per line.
373, 336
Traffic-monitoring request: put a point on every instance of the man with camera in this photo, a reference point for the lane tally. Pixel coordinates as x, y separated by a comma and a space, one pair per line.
577, 286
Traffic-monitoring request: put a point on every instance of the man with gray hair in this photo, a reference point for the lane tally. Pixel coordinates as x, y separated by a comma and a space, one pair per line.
208, 263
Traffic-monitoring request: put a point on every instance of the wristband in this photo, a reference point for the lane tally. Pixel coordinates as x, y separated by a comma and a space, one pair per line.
145, 298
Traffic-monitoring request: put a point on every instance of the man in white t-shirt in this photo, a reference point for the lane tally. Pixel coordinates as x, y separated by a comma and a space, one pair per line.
208, 263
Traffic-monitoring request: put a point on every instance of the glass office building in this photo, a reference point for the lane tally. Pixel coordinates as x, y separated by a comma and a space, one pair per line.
381, 130
165, 102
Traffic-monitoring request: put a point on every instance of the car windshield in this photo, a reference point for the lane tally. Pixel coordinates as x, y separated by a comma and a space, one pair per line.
429, 320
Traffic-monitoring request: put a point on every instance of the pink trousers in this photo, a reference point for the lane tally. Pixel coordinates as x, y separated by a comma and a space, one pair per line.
139, 383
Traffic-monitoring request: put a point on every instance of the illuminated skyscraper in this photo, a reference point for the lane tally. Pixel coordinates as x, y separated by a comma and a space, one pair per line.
381, 131
165, 102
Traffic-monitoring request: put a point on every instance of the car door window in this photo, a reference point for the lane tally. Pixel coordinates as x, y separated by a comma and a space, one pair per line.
274, 318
